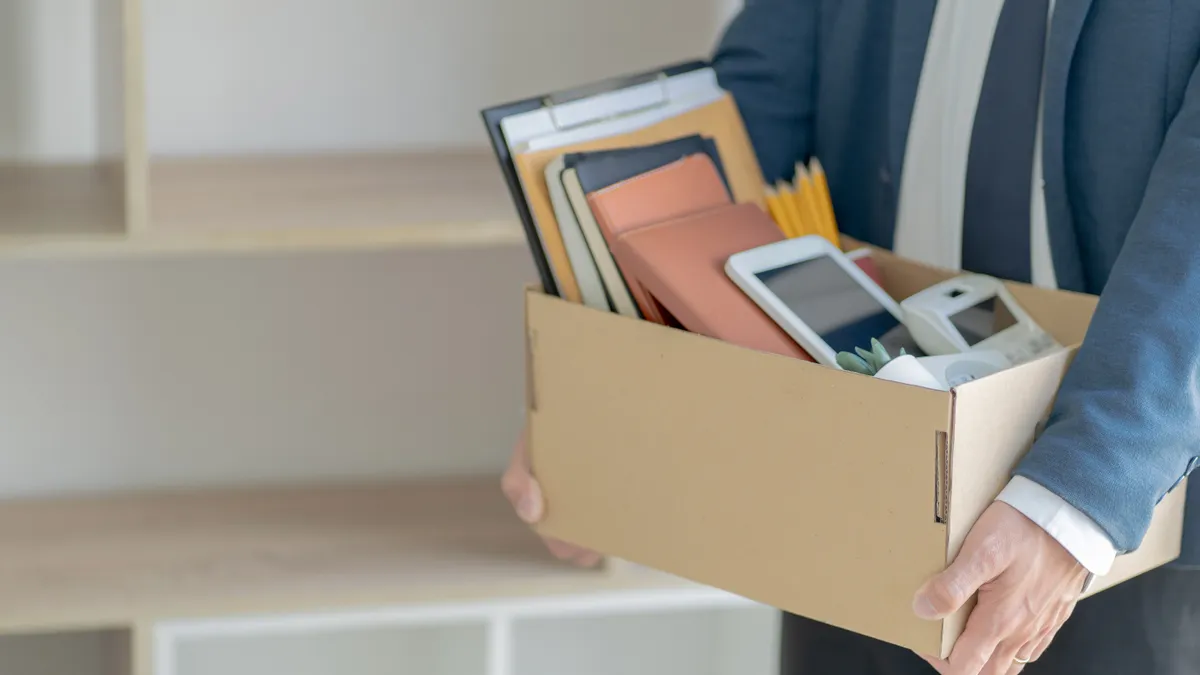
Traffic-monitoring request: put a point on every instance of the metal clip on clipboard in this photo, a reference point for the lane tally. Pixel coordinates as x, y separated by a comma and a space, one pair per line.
571, 118
608, 100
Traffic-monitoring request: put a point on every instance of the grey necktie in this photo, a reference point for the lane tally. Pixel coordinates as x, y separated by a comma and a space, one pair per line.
996, 209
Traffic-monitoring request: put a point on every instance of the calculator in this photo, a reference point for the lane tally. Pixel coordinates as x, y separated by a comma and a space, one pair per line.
974, 312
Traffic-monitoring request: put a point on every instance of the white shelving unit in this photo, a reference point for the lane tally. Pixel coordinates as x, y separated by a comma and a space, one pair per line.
651, 632
258, 396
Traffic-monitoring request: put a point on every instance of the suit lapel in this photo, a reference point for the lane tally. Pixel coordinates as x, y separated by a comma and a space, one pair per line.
1065, 28
911, 21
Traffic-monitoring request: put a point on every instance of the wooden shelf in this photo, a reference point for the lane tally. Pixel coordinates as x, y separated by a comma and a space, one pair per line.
114, 561
351, 192
59, 202
370, 201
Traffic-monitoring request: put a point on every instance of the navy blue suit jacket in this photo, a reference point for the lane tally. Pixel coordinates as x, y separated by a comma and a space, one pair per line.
838, 78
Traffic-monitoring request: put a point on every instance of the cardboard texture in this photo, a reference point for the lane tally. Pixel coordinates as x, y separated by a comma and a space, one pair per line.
820, 492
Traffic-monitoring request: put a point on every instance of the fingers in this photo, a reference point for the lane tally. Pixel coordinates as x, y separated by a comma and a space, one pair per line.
527, 500
976, 646
1009, 657
939, 665
945, 593
1047, 636
586, 558
1004, 659
520, 487
580, 557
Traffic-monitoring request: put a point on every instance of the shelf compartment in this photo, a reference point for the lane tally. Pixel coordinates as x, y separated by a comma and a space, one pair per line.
377, 650
99, 561
351, 192
102, 652
713, 641
70, 129
60, 201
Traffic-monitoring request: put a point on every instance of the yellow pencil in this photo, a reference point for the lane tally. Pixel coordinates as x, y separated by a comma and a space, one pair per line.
787, 196
821, 183
778, 212
808, 202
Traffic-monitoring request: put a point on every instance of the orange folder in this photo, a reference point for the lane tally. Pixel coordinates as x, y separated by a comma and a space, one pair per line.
680, 264
720, 121
686, 186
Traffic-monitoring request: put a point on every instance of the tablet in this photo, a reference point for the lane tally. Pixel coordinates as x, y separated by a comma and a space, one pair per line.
820, 298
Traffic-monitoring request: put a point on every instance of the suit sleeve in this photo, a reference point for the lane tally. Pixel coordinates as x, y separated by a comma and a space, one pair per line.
1125, 428
767, 60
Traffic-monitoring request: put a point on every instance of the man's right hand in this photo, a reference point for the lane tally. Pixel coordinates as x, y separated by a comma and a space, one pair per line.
526, 497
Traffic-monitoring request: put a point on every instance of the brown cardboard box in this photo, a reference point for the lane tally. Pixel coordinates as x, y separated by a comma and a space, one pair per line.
821, 492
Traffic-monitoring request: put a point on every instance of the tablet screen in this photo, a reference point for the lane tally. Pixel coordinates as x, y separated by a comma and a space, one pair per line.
833, 304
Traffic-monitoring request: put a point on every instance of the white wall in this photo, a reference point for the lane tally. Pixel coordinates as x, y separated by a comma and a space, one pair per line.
237, 76
58, 70
176, 371
258, 75
97, 359
157, 372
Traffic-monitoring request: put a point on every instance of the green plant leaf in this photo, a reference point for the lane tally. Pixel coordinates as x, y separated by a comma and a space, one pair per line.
881, 355
854, 363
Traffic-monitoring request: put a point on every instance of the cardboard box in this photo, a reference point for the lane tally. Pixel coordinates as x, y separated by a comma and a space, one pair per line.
824, 493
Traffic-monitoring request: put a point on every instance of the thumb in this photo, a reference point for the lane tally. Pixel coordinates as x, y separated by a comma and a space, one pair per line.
524, 493
950, 589
521, 488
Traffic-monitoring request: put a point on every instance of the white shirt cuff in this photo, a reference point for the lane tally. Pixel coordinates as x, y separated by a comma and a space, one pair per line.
1069, 526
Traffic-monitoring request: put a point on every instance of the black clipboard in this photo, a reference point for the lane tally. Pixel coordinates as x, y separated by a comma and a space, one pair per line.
493, 116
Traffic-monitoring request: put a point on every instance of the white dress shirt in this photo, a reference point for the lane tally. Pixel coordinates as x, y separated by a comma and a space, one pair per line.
929, 220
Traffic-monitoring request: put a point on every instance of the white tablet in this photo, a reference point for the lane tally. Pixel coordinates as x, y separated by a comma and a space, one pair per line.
824, 301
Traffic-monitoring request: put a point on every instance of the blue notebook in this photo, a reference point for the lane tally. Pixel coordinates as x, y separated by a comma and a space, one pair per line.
603, 168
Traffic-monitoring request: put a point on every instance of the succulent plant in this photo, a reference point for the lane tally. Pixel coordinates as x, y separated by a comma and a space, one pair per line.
866, 362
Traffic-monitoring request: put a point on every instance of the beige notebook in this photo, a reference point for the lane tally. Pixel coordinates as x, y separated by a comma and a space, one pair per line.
720, 121
610, 275
579, 253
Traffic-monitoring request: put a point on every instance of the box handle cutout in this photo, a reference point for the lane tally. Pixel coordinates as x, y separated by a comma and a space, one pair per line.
941, 483
530, 388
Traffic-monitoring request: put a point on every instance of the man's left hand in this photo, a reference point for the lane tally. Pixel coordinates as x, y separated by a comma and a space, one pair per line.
1028, 585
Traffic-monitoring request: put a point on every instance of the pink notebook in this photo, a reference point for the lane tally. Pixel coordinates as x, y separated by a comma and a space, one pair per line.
686, 186
680, 265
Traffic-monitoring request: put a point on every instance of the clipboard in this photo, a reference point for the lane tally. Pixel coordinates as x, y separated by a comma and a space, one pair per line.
721, 121
494, 117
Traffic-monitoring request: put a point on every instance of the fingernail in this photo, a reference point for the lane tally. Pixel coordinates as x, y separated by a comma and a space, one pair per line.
924, 608
529, 508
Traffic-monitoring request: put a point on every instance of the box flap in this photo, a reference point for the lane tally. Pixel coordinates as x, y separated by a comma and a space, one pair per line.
1162, 544
732, 468
903, 278
1063, 314
995, 422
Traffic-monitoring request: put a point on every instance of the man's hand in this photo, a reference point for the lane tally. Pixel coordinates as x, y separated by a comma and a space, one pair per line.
526, 496
1028, 585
